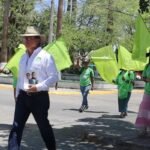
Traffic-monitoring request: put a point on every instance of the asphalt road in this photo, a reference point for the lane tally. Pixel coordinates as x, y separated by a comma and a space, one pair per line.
69, 125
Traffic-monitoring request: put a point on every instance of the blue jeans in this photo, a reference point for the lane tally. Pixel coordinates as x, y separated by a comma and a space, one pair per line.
85, 92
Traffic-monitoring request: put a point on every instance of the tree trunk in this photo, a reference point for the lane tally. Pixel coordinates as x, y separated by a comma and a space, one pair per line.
74, 5
59, 18
74, 11
72, 8
69, 5
110, 21
3, 56
50, 38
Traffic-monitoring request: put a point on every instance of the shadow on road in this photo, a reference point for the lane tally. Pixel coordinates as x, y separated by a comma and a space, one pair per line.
74, 109
72, 138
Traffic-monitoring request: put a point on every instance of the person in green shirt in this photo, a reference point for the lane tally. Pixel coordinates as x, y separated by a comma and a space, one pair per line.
125, 82
86, 81
142, 122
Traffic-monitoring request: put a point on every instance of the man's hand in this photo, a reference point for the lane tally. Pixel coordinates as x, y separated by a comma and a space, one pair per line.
123, 78
113, 81
32, 88
1, 70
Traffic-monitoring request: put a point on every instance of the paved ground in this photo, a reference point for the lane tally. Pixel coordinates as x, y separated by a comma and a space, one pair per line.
72, 129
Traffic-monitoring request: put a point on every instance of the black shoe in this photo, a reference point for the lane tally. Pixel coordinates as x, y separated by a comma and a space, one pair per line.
125, 114
82, 108
122, 115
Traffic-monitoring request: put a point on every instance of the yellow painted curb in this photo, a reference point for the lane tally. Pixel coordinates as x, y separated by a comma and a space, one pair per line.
61, 92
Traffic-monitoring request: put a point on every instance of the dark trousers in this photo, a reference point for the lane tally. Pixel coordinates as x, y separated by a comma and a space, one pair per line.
123, 103
38, 105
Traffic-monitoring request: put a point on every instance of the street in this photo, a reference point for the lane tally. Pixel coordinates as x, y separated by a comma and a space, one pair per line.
69, 125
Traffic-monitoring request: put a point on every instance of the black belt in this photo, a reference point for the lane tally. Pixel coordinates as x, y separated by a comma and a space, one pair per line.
32, 93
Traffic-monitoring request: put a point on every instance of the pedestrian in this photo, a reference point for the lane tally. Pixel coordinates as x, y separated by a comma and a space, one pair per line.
125, 82
143, 118
86, 81
33, 98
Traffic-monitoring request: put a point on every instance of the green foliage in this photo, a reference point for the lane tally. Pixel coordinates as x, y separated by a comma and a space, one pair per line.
101, 22
95, 24
144, 5
42, 20
18, 20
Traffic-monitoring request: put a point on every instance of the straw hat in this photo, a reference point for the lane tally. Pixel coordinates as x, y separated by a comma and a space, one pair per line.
31, 31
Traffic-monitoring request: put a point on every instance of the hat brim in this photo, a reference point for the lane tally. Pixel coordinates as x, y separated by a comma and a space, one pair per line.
43, 38
31, 35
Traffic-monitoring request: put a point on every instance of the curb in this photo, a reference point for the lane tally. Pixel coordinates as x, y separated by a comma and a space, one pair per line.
71, 84
74, 84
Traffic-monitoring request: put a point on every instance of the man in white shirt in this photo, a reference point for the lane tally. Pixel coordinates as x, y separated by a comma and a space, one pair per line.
32, 97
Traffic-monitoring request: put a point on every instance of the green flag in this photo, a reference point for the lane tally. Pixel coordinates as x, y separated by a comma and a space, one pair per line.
60, 53
13, 63
126, 62
105, 62
141, 40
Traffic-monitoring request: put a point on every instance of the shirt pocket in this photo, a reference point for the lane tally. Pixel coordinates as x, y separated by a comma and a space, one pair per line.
37, 65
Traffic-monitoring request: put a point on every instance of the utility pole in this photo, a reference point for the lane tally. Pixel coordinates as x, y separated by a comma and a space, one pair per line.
59, 18
50, 38
110, 21
3, 56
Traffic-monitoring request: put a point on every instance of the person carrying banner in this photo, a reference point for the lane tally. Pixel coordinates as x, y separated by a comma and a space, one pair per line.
125, 82
33, 98
86, 81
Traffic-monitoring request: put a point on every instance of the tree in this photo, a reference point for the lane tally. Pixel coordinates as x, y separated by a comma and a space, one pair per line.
109, 28
69, 5
50, 39
144, 5
20, 17
91, 25
101, 22
59, 18
72, 10
3, 55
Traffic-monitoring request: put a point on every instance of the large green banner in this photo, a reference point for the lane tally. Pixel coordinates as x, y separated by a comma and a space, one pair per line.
13, 63
141, 40
105, 62
126, 62
60, 53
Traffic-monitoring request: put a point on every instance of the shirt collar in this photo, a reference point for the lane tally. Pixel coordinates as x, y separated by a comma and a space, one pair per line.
36, 51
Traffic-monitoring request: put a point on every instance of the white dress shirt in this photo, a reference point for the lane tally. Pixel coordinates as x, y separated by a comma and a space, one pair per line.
44, 68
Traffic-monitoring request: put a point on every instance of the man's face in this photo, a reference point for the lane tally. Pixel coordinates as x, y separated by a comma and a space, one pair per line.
31, 42
33, 74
